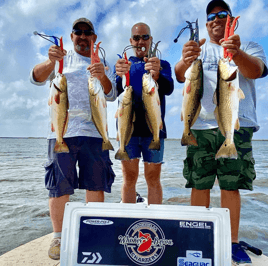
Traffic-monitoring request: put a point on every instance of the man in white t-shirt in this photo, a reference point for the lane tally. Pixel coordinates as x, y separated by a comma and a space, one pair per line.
200, 166
82, 137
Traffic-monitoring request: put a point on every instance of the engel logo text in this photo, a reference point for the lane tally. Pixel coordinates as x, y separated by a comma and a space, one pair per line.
199, 225
98, 222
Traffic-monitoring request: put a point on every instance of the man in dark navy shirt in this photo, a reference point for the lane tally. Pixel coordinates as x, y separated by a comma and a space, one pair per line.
141, 138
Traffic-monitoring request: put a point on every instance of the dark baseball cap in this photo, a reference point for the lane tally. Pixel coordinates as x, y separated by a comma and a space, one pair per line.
220, 3
84, 20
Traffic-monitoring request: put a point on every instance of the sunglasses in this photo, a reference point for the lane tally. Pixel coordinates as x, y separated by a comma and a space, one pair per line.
221, 14
80, 32
145, 37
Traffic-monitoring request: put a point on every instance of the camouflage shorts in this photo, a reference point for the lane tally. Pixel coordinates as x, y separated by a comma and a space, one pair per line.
201, 168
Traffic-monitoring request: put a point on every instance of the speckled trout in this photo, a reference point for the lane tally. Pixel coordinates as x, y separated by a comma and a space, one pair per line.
191, 105
99, 110
59, 105
227, 97
125, 118
151, 102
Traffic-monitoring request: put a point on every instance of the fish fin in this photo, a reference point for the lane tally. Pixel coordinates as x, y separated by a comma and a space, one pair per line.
134, 117
104, 103
161, 125
215, 99
237, 125
154, 145
66, 123
196, 115
122, 155
116, 114
57, 97
241, 94
52, 128
181, 116
107, 145
120, 112
188, 139
117, 136
61, 147
227, 151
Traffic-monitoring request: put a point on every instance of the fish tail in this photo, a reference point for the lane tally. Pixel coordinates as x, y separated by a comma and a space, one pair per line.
107, 145
188, 139
227, 151
121, 155
154, 145
61, 147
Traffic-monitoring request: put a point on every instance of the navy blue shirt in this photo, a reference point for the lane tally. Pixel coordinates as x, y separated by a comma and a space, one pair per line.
166, 87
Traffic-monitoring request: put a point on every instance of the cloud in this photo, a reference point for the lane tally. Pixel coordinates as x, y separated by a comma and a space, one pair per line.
20, 50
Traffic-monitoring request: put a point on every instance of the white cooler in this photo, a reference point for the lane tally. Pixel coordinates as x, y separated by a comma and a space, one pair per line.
138, 234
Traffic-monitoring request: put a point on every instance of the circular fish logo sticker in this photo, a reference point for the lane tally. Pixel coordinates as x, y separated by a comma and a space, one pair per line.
144, 242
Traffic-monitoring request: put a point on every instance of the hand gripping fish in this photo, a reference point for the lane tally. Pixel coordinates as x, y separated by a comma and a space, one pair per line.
125, 117
192, 93
59, 105
227, 97
98, 103
152, 106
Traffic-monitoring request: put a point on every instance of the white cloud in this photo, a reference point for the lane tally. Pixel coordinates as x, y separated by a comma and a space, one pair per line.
113, 19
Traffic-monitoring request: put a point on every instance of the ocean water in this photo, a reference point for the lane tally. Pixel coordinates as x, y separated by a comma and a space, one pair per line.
24, 213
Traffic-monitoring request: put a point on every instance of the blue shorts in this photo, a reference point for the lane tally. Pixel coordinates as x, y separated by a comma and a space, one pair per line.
140, 145
95, 171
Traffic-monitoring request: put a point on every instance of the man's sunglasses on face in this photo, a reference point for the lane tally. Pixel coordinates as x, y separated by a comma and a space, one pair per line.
145, 37
80, 32
221, 14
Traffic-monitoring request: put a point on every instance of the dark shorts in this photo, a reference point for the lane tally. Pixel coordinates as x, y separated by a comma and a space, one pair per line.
201, 168
138, 146
95, 171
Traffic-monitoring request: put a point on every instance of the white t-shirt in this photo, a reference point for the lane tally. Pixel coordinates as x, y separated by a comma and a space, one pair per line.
210, 56
80, 121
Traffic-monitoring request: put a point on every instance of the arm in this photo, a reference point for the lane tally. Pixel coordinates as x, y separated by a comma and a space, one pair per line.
42, 71
191, 50
165, 80
250, 66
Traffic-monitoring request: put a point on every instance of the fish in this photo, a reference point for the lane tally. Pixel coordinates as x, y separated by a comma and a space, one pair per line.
152, 106
146, 244
99, 111
59, 105
191, 104
226, 98
125, 117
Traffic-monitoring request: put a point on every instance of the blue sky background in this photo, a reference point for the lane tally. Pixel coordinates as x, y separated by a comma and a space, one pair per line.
23, 106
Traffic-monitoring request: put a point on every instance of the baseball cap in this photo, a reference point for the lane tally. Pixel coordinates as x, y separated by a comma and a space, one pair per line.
84, 20
220, 3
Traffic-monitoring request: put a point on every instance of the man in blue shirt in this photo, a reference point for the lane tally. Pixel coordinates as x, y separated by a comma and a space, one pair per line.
141, 138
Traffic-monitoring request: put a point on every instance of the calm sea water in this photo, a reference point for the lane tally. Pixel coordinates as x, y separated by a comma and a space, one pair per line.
24, 213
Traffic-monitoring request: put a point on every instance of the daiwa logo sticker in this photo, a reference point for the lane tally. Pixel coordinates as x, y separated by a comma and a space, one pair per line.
193, 258
98, 222
144, 242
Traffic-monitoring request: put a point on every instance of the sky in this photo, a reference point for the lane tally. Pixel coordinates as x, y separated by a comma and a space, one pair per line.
23, 106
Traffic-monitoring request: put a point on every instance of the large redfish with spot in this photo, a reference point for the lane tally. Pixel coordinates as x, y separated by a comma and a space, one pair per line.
152, 106
191, 104
227, 97
59, 105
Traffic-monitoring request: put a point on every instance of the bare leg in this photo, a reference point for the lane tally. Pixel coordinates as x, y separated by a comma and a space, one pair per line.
152, 175
232, 201
130, 171
94, 196
56, 208
200, 197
